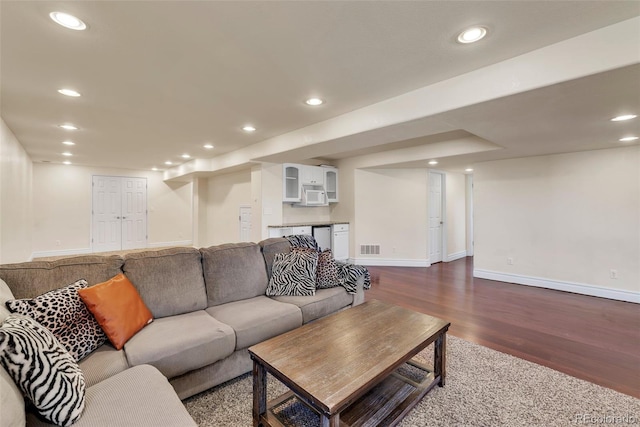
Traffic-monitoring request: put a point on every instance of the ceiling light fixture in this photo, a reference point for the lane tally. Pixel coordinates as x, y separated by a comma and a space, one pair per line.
68, 143
628, 139
68, 21
314, 102
69, 92
168, 162
67, 162
624, 117
68, 154
185, 156
154, 168
471, 35
68, 126
208, 146
468, 170
248, 128
433, 162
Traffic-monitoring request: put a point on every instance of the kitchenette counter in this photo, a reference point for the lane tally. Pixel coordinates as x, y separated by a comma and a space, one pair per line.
307, 224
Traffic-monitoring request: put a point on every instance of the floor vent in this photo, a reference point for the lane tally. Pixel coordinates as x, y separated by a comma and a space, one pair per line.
369, 249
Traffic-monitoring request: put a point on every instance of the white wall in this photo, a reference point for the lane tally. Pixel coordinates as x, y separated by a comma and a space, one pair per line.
16, 213
226, 193
391, 210
565, 220
62, 208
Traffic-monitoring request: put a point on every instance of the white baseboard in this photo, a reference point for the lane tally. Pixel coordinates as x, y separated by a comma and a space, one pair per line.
455, 256
170, 244
578, 288
390, 262
63, 252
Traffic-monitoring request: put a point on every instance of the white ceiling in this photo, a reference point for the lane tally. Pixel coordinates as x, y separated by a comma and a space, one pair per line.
160, 79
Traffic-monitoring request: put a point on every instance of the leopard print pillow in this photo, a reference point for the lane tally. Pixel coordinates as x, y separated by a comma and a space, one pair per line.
327, 271
63, 313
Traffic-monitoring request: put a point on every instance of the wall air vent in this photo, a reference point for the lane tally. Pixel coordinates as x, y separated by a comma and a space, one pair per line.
369, 249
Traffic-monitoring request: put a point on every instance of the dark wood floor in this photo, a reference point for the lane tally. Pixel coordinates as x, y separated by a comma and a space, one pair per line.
595, 339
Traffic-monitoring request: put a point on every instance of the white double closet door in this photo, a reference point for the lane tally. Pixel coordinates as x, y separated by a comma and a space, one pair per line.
119, 213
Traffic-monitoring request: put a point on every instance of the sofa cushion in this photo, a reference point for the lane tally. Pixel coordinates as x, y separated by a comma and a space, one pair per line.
43, 370
30, 279
233, 272
272, 246
181, 343
257, 319
294, 273
63, 313
169, 281
140, 396
103, 363
118, 309
11, 402
324, 302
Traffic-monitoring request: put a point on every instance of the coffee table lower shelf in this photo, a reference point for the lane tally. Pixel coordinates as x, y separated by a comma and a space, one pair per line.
384, 405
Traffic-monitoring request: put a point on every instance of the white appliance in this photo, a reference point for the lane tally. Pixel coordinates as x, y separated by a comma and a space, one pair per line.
313, 197
322, 234
340, 241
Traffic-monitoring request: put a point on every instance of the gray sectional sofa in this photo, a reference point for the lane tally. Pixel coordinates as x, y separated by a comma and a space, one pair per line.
209, 306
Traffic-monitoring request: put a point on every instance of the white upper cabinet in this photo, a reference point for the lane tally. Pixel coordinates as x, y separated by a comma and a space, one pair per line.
331, 184
291, 183
312, 175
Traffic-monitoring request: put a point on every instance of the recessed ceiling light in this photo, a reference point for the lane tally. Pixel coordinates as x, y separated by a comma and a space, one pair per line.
185, 156
624, 117
68, 21
628, 139
68, 143
154, 168
471, 35
468, 170
68, 126
314, 101
248, 128
69, 92
67, 162
208, 146
68, 154
433, 162
168, 162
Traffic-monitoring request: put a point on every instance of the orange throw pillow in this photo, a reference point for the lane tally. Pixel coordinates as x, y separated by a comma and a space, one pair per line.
118, 308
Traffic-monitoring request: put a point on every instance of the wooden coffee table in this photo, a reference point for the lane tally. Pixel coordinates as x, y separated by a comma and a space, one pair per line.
346, 366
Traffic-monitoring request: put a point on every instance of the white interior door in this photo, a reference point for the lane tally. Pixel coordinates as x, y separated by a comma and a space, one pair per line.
106, 222
245, 223
119, 213
436, 222
134, 213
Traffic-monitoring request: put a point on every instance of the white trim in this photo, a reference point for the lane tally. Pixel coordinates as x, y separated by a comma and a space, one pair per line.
578, 288
63, 252
170, 244
391, 262
455, 256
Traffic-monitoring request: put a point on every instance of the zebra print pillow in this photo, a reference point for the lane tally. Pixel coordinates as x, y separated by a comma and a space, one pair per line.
43, 370
294, 273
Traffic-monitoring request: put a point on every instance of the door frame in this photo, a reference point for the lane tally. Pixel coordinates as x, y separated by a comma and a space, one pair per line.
91, 209
443, 204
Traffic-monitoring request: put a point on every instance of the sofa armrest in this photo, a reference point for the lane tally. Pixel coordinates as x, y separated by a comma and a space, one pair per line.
358, 297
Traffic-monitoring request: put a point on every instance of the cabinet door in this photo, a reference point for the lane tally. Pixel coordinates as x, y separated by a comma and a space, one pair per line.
312, 175
291, 183
331, 184
302, 230
340, 245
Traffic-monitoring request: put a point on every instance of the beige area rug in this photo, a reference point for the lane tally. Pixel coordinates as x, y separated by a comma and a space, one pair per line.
484, 388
